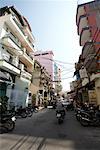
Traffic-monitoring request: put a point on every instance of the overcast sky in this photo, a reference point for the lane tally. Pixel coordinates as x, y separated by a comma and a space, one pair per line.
53, 24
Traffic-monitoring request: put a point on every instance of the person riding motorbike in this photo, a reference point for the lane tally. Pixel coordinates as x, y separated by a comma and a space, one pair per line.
60, 108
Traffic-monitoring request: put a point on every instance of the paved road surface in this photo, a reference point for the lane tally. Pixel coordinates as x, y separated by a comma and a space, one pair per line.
42, 132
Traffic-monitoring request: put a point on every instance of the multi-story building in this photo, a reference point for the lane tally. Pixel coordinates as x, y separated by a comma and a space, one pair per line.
57, 78
41, 83
16, 62
46, 60
88, 27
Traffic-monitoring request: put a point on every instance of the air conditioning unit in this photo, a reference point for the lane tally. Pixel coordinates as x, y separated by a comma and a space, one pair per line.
21, 66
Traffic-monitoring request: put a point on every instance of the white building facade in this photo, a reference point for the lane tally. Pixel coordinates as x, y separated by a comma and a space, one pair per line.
16, 62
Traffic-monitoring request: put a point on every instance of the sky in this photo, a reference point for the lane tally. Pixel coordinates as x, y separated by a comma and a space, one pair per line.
53, 24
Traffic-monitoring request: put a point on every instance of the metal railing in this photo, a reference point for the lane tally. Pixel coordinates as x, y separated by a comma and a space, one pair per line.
15, 40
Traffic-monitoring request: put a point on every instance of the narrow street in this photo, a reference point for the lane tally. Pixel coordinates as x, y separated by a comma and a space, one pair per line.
42, 132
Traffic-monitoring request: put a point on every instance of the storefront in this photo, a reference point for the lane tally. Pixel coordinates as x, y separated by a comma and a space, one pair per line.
4, 81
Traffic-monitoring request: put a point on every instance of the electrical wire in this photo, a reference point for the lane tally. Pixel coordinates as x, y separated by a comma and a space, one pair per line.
66, 73
66, 78
61, 62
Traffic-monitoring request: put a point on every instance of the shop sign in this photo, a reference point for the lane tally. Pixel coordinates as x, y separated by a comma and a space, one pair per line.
83, 73
92, 96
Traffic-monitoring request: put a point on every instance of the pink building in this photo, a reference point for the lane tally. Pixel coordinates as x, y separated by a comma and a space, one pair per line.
46, 60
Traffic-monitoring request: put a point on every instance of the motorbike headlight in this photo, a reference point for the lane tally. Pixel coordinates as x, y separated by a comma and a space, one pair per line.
13, 119
58, 115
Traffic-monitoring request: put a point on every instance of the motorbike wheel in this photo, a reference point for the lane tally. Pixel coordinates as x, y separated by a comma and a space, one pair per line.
23, 115
84, 123
10, 125
35, 110
60, 121
77, 117
30, 114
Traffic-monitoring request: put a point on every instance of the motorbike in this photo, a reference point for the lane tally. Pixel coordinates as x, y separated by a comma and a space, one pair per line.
60, 116
90, 118
35, 109
29, 111
7, 122
20, 112
78, 112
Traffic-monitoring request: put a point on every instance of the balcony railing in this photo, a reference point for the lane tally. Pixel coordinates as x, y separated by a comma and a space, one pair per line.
26, 74
4, 56
20, 27
80, 12
88, 49
85, 35
82, 23
29, 55
90, 63
29, 41
15, 40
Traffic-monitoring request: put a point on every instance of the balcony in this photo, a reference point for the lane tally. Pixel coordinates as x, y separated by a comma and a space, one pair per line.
85, 36
12, 44
28, 32
17, 29
90, 63
26, 59
85, 81
9, 67
26, 75
82, 23
88, 49
4, 55
80, 12
13, 60
95, 76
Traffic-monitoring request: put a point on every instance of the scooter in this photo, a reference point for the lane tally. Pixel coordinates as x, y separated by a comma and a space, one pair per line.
20, 112
90, 119
60, 116
7, 122
29, 111
78, 112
